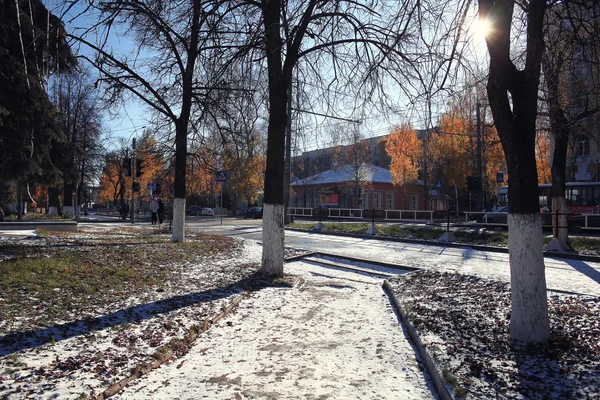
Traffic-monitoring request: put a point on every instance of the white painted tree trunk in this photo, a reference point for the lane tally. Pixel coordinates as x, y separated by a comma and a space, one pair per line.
68, 212
53, 210
529, 311
560, 204
178, 235
273, 240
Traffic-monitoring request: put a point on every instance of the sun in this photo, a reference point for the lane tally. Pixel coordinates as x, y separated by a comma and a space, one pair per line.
483, 27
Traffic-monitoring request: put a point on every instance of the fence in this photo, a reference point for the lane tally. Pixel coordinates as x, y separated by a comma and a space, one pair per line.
355, 213
300, 212
390, 215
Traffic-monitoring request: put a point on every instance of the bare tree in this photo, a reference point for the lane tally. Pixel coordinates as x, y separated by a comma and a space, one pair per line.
350, 39
172, 70
513, 95
571, 57
80, 117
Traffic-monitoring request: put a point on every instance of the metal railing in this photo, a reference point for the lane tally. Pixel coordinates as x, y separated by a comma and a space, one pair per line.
355, 213
390, 215
300, 211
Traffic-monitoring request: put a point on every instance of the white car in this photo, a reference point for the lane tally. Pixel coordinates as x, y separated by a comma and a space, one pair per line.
207, 212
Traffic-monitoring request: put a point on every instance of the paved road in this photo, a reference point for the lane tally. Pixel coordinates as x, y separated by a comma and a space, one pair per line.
562, 275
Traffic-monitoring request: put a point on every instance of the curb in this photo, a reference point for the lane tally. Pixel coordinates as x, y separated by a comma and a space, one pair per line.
430, 365
547, 254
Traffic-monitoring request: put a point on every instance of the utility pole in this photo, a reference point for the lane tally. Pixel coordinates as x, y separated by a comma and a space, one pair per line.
479, 182
288, 160
133, 162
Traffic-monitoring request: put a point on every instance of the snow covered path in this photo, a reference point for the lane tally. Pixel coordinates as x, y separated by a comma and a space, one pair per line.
334, 336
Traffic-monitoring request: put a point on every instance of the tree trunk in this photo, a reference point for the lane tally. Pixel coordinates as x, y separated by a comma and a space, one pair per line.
513, 98
54, 201
181, 128
273, 208
559, 126
68, 206
178, 233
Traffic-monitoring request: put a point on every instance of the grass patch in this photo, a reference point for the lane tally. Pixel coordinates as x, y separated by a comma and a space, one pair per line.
497, 239
71, 272
585, 243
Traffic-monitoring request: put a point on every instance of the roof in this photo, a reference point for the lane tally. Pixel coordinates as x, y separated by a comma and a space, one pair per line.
347, 173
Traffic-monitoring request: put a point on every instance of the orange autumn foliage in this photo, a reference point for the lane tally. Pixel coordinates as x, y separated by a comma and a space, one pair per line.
542, 158
405, 150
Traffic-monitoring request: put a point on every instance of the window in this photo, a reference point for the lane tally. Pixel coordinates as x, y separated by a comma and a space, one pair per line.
583, 145
377, 200
364, 201
414, 201
389, 201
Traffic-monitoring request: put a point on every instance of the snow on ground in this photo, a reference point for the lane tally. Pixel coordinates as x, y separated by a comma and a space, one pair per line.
463, 321
333, 336
86, 356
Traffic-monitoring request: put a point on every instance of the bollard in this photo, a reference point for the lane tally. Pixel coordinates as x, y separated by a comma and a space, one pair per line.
373, 218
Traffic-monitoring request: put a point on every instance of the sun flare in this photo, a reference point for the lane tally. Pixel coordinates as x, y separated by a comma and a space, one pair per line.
483, 27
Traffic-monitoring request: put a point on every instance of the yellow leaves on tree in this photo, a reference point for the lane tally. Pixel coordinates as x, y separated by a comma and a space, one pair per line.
405, 150
152, 164
113, 182
542, 158
201, 174
494, 158
246, 170
450, 148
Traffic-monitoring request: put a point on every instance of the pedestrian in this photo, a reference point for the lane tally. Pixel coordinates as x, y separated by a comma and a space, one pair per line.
154, 210
161, 210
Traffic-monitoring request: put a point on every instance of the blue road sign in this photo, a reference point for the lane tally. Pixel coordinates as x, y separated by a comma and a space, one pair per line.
499, 177
151, 187
438, 184
221, 176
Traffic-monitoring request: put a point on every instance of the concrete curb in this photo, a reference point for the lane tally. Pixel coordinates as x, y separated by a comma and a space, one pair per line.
430, 365
60, 226
547, 254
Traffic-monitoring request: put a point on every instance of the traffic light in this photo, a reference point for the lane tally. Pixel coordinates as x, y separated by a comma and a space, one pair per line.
139, 167
469, 183
135, 186
127, 166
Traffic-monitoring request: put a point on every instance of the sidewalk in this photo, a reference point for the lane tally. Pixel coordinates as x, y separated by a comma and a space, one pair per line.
333, 336
562, 274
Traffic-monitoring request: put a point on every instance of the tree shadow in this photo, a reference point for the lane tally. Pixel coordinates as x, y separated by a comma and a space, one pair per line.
585, 269
15, 342
542, 374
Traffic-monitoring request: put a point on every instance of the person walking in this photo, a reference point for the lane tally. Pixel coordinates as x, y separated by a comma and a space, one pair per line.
154, 210
161, 210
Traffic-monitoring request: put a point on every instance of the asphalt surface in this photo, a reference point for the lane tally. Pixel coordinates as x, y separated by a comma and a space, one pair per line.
563, 275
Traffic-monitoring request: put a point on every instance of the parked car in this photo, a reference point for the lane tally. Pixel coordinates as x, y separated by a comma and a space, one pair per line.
1, 215
500, 216
207, 212
254, 212
577, 222
193, 210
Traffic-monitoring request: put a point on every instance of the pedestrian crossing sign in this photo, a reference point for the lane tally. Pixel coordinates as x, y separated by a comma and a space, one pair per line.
221, 176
